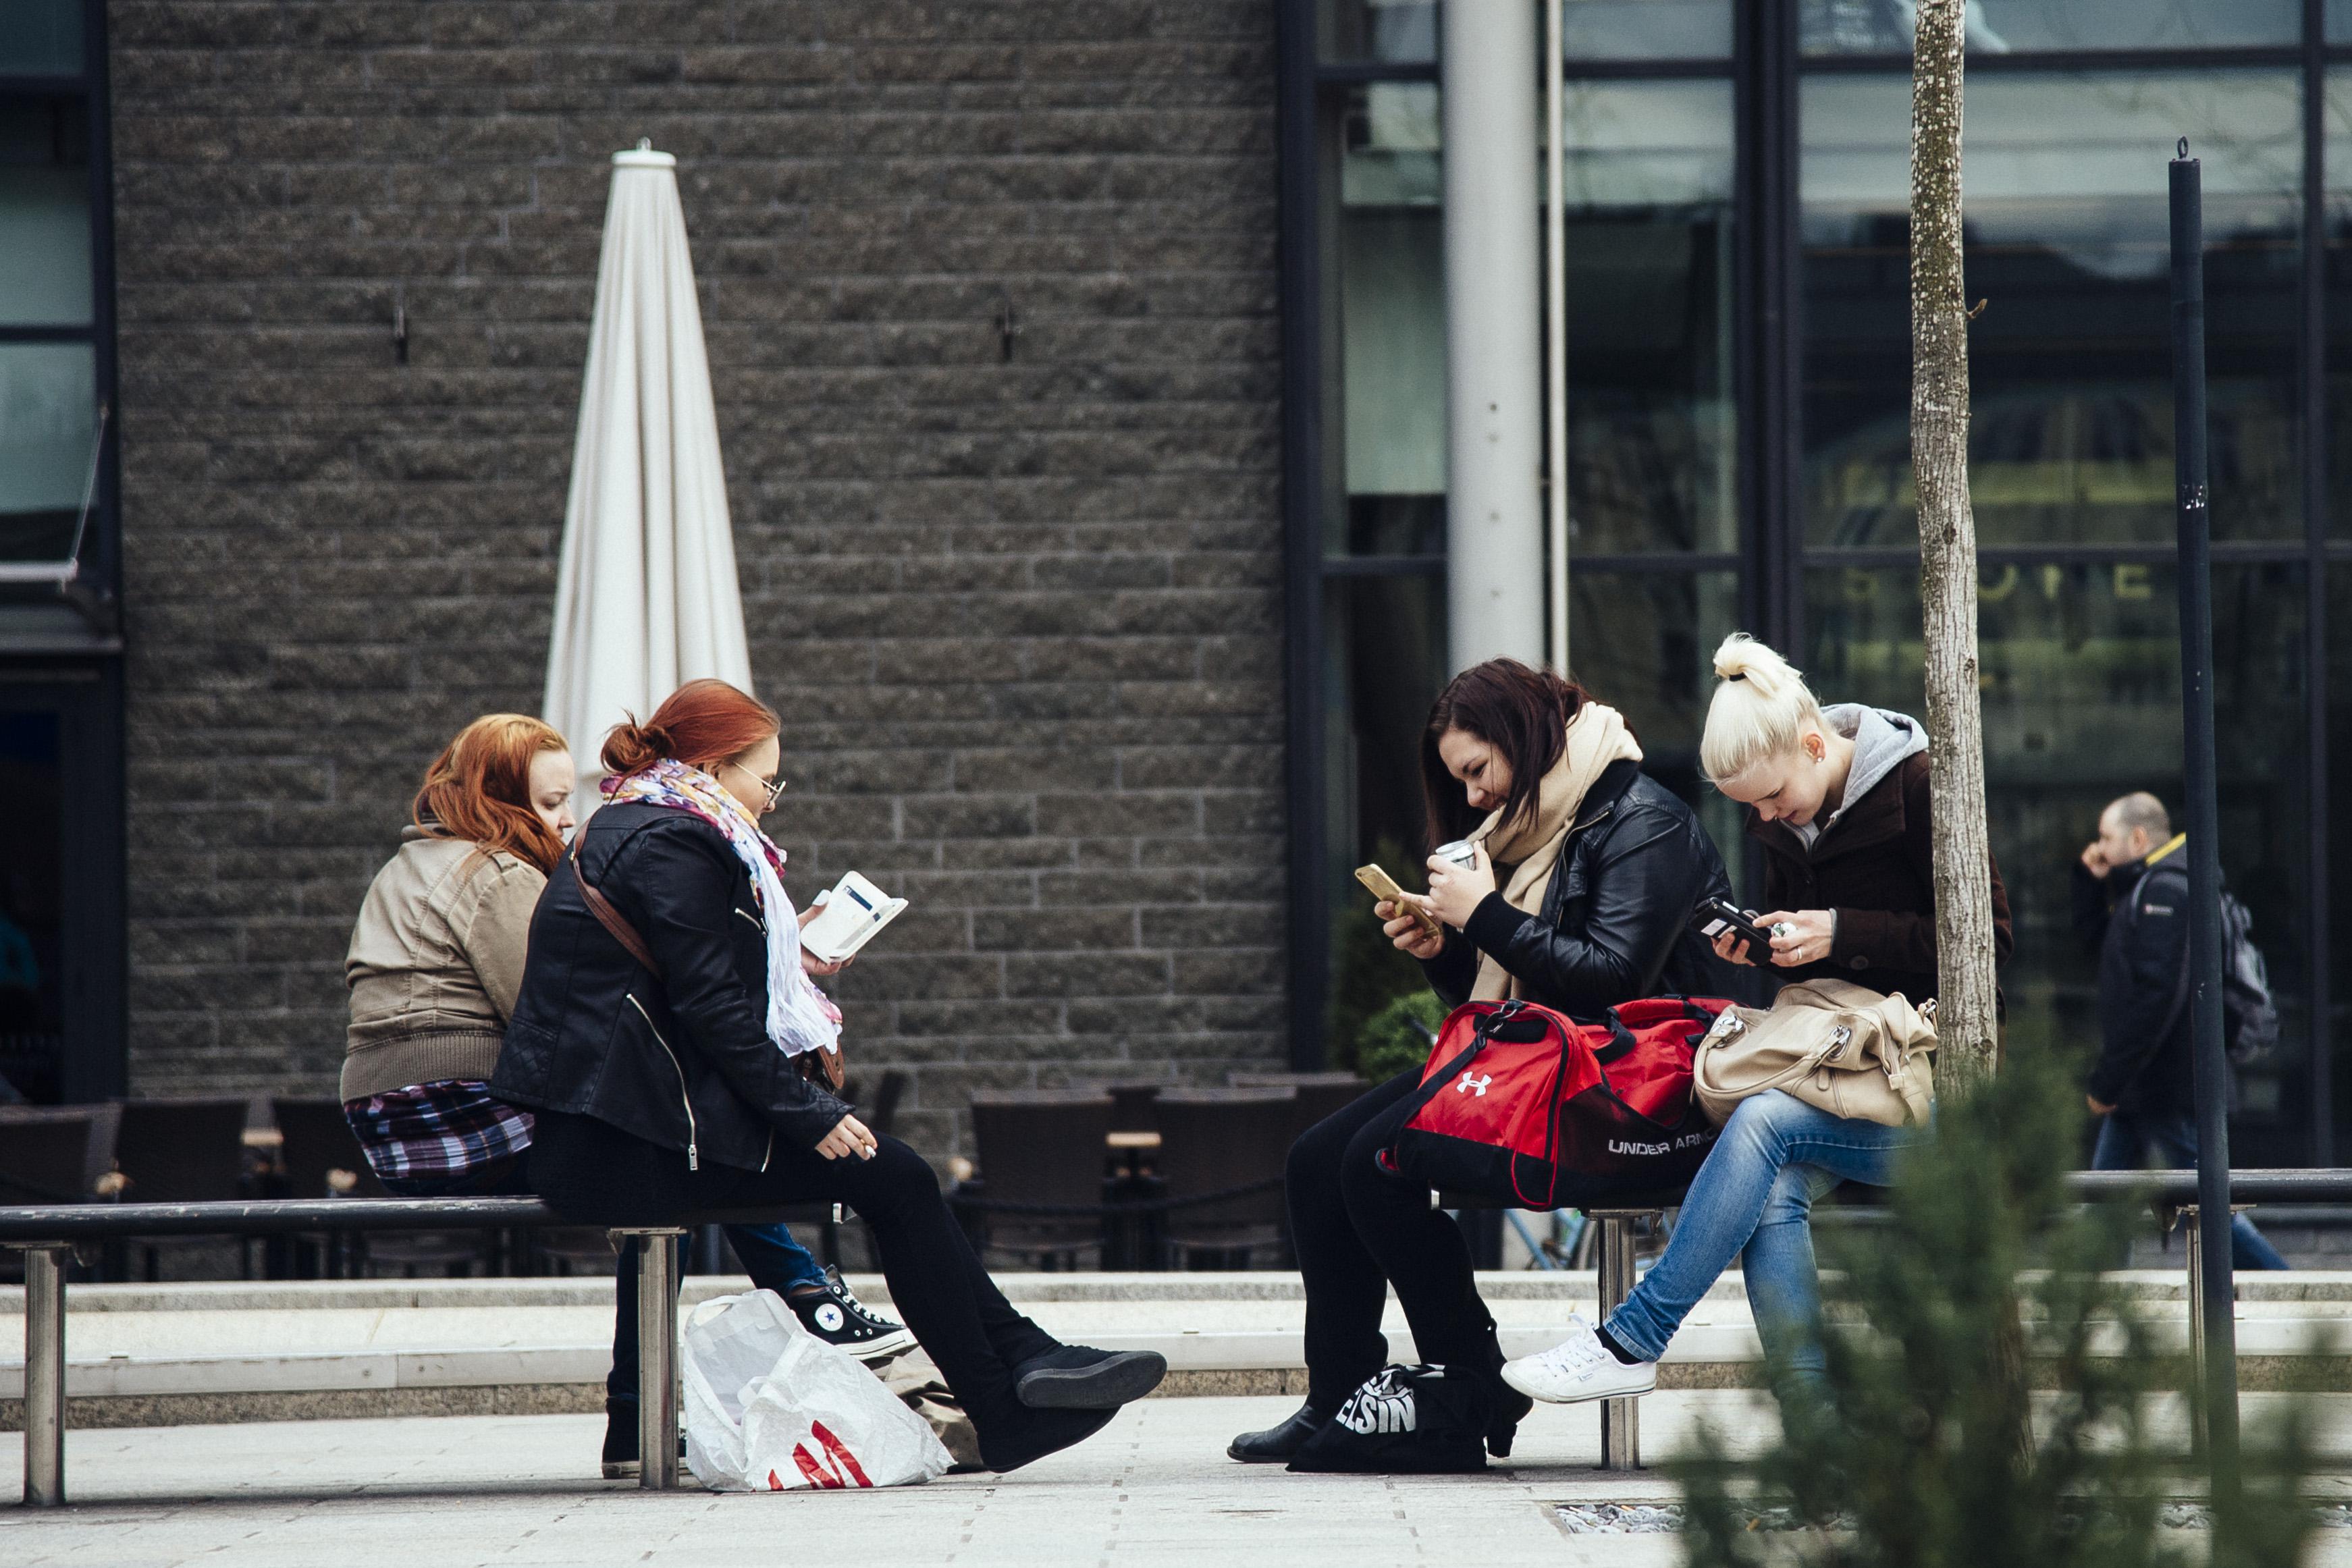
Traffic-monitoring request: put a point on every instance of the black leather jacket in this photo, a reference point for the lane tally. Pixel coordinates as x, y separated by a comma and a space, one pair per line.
1616, 914
684, 1061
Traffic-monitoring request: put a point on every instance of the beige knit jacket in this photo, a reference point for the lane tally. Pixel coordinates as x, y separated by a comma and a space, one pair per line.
435, 964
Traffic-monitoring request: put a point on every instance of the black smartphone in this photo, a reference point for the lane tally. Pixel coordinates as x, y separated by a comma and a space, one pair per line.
1715, 916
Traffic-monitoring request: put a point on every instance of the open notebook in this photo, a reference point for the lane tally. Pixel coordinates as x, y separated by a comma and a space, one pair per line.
849, 919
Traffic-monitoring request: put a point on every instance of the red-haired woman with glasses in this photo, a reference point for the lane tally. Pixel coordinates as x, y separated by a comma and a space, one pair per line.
671, 1039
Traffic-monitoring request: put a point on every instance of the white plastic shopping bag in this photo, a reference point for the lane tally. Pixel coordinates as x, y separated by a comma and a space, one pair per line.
771, 1407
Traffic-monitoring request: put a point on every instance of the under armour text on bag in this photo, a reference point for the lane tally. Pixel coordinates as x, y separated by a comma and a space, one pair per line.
1524, 1105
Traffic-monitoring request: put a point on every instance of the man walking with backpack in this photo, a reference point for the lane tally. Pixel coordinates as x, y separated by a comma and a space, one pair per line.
2131, 907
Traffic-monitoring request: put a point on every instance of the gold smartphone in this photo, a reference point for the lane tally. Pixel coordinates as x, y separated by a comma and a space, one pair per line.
1383, 885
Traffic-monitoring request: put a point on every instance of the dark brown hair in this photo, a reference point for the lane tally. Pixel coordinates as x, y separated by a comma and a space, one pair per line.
478, 788
1521, 712
701, 723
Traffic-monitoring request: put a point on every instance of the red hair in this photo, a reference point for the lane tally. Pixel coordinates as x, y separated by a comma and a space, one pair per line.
478, 788
701, 723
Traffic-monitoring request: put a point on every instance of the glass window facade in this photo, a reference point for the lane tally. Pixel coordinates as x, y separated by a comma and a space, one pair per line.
62, 967
1736, 276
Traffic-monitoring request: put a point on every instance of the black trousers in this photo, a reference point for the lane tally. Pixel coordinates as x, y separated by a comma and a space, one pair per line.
595, 1173
1357, 1230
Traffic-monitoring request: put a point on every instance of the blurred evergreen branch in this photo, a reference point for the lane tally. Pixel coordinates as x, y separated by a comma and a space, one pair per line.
1919, 1448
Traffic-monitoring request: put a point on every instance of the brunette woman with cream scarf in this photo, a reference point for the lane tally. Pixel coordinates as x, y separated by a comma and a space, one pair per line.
1587, 874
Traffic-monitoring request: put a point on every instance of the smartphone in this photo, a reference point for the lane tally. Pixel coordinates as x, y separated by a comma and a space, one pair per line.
1383, 885
1715, 916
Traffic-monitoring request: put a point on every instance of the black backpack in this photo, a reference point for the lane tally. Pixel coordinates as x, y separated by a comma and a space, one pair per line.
2249, 1019
1404, 1420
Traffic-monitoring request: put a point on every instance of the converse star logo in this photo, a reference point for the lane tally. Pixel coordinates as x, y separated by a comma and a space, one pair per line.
1470, 1084
829, 1318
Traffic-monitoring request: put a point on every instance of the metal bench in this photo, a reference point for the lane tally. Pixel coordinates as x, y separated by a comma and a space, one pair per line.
47, 1236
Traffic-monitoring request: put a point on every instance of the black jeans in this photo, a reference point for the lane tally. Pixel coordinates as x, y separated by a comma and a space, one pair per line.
596, 1173
1357, 1230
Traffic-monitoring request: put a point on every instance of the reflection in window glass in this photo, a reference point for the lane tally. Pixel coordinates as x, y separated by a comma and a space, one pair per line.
2081, 703
1384, 663
32, 930
1645, 30
1392, 321
1651, 424
2339, 740
40, 37
2071, 440
2339, 21
48, 425
2336, 228
2001, 27
1640, 642
44, 214
1393, 32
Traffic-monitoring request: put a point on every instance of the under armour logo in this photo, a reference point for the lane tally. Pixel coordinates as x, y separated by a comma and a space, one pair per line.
1469, 1083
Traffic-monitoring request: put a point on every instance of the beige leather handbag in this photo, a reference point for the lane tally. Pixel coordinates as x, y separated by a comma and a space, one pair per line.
1851, 1052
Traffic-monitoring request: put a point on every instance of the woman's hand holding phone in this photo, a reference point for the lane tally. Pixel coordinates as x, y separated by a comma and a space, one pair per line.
848, 1137
1408, 933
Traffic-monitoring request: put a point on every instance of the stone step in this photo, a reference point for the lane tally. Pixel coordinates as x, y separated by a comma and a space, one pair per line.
168, 1354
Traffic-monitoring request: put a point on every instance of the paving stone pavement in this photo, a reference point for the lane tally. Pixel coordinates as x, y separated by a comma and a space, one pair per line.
1153, 1489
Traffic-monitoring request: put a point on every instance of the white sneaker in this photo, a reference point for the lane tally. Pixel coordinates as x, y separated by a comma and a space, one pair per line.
1579, 1368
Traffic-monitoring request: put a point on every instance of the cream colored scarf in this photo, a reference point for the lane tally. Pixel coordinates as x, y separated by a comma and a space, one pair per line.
1596, 738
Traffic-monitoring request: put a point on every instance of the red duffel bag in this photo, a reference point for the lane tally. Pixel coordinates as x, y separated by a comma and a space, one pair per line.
1524, 1105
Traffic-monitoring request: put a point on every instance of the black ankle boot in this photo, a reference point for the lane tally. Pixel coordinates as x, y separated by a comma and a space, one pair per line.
621, 1460
620, 1440
1278, 1444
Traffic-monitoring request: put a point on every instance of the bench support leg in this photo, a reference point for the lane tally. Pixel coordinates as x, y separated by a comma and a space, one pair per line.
1620, 1419
45, 1374
656, 1355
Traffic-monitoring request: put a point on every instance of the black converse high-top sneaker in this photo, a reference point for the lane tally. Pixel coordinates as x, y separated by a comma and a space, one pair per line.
836, 1316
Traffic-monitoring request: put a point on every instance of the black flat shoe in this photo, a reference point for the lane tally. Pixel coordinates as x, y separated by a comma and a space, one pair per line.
1080, 1377
1032, 1434
1279, 1443
1511, 1408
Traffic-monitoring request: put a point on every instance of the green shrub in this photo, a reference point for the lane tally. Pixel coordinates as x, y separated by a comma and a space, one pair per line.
1397, 1037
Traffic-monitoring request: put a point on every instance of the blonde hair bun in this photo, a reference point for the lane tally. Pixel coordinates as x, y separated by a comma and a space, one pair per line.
1759, 709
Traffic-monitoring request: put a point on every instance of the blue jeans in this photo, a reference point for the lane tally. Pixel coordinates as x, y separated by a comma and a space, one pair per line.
1753, 1200
2128, 1137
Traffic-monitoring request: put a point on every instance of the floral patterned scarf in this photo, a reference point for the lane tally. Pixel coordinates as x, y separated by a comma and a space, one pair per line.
800, 1017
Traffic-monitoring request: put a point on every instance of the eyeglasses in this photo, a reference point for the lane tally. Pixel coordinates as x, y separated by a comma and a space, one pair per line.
775, 787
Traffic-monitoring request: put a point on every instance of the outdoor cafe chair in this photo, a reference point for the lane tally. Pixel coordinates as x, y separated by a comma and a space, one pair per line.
182, 1151
1213, 1142
1041, 1146
1320, 1094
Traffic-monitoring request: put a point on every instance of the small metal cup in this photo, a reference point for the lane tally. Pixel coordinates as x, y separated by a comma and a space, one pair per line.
1462, 852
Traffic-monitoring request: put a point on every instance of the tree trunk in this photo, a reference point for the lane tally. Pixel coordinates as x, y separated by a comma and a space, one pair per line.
1966, 1047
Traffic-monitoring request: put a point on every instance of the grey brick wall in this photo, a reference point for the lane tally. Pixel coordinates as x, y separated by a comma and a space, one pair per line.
1022, 618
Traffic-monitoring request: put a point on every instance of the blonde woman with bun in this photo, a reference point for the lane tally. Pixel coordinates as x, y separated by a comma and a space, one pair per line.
1837, 799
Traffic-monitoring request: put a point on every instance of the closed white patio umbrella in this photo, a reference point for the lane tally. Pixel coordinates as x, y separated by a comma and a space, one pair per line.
646, 595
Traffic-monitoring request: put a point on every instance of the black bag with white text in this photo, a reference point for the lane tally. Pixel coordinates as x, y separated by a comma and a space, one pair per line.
1404, 1420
